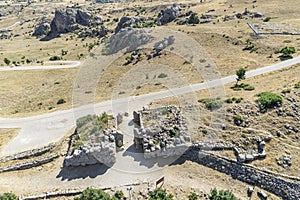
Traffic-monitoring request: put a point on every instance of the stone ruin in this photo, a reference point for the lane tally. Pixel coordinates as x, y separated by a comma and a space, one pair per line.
162, 132
99, 148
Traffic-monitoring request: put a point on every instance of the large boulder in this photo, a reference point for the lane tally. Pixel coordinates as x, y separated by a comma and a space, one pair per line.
169, 14
43, 28
129, 21
83, 18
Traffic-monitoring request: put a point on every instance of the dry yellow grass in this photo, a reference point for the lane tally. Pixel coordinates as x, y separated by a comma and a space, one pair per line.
6, 135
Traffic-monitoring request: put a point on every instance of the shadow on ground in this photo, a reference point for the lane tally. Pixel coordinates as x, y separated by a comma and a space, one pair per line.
138, 156
91, 171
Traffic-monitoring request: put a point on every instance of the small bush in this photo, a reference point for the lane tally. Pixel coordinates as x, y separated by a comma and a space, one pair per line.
61, 101
90, 194
249, 88
119, 194
297, 85
8, 196
211, 104
286, 91
193, 196
238, 118
162, 75
160, 194
229, 100
54, 58
268, 99
221, 195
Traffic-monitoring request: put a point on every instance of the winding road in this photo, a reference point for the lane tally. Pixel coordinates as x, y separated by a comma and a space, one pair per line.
40, 130
62, 64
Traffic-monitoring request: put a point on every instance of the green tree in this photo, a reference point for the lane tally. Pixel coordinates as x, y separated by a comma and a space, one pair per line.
221, 195
93, 194
241, 75
160, 194
7, 61
8, 196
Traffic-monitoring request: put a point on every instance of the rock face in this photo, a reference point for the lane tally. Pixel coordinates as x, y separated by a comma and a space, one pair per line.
129, 39
169, 14
43, 28
68, 19
129, 21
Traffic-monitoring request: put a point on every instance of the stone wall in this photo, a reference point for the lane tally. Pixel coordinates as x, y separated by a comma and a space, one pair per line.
30, 164
28, 154
245, 173
104, 153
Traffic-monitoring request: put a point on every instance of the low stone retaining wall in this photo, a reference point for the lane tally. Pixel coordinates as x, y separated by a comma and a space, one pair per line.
30, 164
28, 154
273, 184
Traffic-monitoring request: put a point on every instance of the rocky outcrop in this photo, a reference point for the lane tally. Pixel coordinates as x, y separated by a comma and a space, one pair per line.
129, 21
96, 32
68, 19
43, 28
129, 39
169, 14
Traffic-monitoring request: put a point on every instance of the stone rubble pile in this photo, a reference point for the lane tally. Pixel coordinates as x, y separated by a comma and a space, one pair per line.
284, 161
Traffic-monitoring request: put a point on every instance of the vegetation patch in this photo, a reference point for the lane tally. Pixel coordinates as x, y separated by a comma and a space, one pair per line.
242, 86
211, 104
268, 100
221, 195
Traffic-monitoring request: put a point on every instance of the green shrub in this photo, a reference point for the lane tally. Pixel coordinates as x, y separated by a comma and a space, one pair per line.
286, 52
238, 100
238, 118
286, 91
268, 99
160, 194
54, 58
297, 85
211, 104
173, 133
162, 75
93, 194
60, 101
229, 100
7, 61
221, 195
193, 196
8, 196
119, 194
249, 88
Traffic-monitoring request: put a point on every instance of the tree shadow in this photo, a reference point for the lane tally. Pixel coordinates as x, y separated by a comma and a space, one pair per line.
138, 156
82, 172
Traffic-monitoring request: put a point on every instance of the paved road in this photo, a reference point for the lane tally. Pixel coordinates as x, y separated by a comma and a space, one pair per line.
48, 65
39, 130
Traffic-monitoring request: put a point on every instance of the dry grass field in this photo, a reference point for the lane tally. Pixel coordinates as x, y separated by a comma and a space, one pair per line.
25, 93
6, 135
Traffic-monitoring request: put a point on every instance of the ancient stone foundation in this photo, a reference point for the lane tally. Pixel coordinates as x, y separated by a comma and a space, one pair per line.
245, 173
